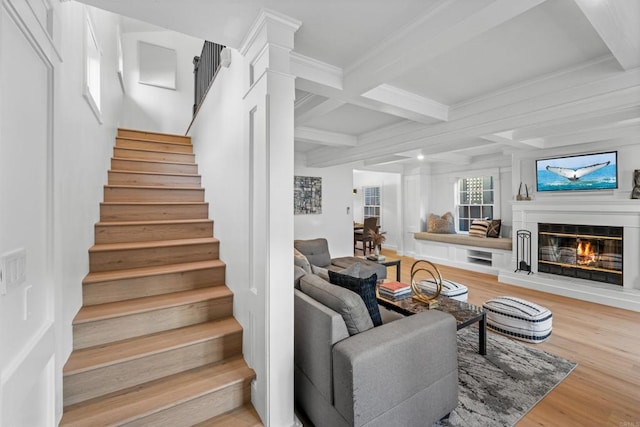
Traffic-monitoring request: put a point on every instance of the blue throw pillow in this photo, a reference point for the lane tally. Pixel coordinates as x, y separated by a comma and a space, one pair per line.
366, 288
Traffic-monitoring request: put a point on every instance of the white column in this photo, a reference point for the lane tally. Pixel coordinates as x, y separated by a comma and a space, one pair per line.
269, 123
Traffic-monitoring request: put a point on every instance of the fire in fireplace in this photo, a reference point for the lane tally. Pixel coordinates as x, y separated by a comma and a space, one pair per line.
583, 251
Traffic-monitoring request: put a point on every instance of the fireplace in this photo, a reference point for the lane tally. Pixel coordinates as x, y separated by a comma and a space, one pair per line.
584, 251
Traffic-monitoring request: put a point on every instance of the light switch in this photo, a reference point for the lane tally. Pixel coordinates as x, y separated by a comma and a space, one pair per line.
13, 270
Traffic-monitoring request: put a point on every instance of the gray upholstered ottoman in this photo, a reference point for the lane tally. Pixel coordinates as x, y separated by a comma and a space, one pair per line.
518, 318
450, 289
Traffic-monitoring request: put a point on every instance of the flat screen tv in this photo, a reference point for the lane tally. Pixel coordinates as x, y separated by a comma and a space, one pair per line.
597, 171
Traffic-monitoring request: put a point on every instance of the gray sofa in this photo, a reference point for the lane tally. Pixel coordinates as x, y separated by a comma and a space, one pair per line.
402, 373
317, 252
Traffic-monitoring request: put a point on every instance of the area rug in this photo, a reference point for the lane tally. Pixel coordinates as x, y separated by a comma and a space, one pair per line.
500, 388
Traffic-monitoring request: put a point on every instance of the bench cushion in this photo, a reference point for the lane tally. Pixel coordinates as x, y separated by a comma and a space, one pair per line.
503, 243
450, 289
518, 318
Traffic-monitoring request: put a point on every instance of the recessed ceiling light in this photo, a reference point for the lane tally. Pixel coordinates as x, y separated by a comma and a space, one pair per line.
420, 157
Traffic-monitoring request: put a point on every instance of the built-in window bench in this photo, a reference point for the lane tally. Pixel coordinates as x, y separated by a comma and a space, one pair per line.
486, 255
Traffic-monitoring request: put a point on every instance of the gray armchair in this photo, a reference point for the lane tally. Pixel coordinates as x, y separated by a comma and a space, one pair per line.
402, 373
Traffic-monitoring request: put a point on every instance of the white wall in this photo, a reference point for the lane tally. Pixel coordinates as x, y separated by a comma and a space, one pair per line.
154, 108
217, 136
391, 198
54, 155
243, 140
335, 223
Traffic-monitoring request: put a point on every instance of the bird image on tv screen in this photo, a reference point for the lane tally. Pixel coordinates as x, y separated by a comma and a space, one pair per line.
584, 172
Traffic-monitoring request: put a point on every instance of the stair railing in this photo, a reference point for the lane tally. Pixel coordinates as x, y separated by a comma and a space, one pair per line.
205, 68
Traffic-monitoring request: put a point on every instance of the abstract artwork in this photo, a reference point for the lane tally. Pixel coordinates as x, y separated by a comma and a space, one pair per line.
307, 195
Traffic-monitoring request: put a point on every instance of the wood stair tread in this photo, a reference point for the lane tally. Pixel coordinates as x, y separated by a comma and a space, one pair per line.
109, 310
130, 138
134, 348
134, 172
105, 247
136, 402
147, 150
153, 187
165, 162
144, 132
132, 273
244, 416
156, 203
154, 222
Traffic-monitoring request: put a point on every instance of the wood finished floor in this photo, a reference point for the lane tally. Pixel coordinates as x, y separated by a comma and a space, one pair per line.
604, 390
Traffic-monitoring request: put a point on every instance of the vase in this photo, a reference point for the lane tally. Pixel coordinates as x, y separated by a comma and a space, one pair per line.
376, 251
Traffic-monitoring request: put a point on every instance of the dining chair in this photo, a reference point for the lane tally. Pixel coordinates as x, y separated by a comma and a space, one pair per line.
363, 235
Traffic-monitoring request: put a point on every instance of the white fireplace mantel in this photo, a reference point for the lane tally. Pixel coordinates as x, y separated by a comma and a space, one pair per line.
621, 213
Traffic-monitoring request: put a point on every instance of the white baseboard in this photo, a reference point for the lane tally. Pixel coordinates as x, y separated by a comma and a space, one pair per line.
575, 288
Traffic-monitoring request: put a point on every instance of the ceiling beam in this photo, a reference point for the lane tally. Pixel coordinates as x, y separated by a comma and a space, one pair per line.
317, 136
629, 130
451, 158
391, 95
385, 160
318, 110
618, 24
326, 80
612, 91
448, 25
506, 138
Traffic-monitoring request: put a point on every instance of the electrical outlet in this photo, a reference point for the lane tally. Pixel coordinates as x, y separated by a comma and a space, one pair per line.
13, 270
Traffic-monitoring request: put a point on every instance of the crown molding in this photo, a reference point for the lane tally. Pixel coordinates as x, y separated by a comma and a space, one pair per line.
265, 16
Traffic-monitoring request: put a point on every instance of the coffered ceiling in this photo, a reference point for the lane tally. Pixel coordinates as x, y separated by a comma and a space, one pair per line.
382, 81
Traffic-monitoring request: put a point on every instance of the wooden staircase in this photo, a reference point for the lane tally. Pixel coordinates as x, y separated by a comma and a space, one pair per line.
155, 342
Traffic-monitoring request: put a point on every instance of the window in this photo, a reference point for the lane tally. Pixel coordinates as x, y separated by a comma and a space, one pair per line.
372, 203
92, 58
475, 200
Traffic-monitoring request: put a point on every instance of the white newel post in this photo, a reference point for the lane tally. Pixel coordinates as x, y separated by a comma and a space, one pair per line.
268, 122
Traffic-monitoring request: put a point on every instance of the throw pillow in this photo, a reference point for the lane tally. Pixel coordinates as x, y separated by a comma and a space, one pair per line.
494, 228
479, 228
343, 301
444, 224
298, 272
366, 288
301, 261
322, 272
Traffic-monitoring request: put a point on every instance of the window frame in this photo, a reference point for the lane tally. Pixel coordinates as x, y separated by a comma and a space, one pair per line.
92, 88
483, 210
368, 207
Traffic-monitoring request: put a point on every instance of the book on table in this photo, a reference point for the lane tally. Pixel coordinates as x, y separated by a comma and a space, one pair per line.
394, 290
